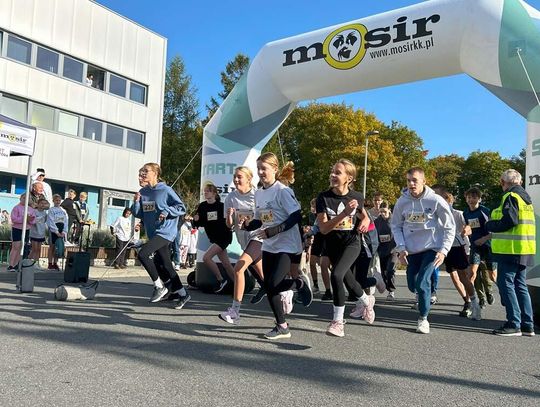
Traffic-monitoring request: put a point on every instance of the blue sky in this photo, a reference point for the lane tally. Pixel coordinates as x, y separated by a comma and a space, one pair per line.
452, 115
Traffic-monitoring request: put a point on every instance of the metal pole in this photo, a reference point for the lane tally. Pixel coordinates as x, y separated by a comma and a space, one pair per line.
371, 133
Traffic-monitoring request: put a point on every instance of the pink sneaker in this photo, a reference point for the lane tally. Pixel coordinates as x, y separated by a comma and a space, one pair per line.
336, 328
230, 316
369, 313
358, 311
287, 301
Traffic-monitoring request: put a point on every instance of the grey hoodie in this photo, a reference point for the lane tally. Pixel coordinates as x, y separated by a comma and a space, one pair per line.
424, 223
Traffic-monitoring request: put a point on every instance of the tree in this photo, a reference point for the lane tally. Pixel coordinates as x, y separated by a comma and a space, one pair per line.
517, 162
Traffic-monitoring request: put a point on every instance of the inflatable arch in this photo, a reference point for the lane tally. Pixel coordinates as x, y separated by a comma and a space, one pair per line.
496, 42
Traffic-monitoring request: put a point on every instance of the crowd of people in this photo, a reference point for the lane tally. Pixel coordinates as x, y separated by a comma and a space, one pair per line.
357, 250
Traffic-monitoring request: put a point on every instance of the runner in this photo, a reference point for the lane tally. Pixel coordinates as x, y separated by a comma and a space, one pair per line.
341, 216
386, 250
239, 206
277, 213
318, 256
159, 208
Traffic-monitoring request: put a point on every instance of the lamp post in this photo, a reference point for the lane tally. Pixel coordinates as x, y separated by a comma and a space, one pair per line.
371, 133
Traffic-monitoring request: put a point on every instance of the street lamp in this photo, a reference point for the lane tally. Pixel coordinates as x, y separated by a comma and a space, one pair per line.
371, 133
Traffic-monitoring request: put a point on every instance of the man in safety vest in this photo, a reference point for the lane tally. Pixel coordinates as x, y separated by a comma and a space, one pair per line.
513, 244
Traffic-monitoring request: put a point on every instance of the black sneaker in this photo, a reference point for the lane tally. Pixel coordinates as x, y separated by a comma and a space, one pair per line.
482, 303
327, 296
304, 293
221, 286
490, 299
11, 268
506, 330
182, 301
466, 311
278, 333
172, 297
527, 331
158, 294
257, 298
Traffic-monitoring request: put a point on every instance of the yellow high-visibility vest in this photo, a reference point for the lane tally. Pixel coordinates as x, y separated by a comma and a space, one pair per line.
521, 239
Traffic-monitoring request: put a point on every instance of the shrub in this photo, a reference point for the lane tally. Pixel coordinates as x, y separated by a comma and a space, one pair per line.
102, 238
5, 232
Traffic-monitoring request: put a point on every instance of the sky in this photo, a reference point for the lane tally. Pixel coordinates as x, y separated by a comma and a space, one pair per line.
453, 115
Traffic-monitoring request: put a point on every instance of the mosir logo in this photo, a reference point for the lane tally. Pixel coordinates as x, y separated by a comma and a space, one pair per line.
343, 48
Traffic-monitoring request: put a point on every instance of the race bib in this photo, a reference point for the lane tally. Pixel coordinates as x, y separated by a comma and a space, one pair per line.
244, 215
267, 216
149, 206
345, 224
211, 215
59, 219
385, 238
416, 217
474, 223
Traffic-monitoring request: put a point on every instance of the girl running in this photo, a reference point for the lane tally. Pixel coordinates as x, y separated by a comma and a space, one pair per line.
159, 208
239, 208
210, 216
277, 213
341, 217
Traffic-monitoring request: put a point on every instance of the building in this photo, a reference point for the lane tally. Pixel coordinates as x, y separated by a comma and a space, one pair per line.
92, 82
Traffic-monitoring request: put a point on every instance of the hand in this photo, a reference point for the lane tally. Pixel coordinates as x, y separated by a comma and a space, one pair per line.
439, 259
137, 227
403, 257
136, 197
481, 241
230, 212
364, 225
162, 217
466, 230
350, 207
196, 217
261, 234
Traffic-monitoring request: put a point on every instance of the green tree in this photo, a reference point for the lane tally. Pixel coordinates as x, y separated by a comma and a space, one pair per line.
517, 162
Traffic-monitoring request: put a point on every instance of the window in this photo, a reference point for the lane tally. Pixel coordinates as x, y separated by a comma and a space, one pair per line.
19, 50
117, 85
137, 93
95, 77
134, 140
119, 202
73, 69
47, 60
14, 108
5, 184
68, 123
20, 186
58, 188
115, 135
92, 129
42, 116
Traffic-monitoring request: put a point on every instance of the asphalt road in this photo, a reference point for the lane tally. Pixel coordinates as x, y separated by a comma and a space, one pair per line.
119, 350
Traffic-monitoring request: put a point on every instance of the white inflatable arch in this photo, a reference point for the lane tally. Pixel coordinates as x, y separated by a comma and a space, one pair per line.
493, 41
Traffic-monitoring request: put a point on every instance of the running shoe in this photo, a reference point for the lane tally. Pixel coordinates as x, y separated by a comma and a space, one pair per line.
391, 296
287, 301
466, 311
278, 333
182, 301
476, 311
336, 328
527, 331
433, 300
369, 312
158, 294
221, 286
423, 326
490, 298
257, 298
304, 293
507, 330
172, 297
381, 286
11, 268
327, 296
358, 311
230, 316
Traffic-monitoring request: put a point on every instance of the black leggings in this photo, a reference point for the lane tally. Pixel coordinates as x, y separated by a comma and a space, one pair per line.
341, 271
276, 266
388, 270
159, 265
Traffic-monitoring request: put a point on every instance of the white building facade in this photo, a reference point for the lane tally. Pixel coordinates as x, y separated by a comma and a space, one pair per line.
92, 82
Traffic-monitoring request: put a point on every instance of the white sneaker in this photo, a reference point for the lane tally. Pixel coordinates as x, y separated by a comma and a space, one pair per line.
423, 326
391, 296
476, 311
433, 299
230, 316
287, 301
336, 328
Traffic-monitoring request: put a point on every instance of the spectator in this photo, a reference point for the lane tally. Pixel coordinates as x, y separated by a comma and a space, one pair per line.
17, 216
89, 80
39, 230
73, 214
47, 191
121, 229
36, 193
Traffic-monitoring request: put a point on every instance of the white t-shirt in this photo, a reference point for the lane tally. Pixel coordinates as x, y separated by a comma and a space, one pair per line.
272, 207
192, 249
122, 228
185, 234
244, 205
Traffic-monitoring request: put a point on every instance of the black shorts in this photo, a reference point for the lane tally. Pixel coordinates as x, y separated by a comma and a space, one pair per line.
318, 246
54, 236
16, 235
37, 239
223, 243
456, 259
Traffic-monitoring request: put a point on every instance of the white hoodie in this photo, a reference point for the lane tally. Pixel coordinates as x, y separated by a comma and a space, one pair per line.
423, 223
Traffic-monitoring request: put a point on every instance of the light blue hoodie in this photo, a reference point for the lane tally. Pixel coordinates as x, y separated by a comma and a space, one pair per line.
160, 199
423, 223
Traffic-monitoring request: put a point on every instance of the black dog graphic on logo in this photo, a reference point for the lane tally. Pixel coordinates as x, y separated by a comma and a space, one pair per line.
341, 44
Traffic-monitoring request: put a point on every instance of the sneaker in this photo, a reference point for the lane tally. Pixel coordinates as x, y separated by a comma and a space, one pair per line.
391, 296
327, 296
51, 267
336, 328
172, 297
370, 290
476, 312
182, 301
221, 286
278, 333
177, 267
230, 316
490, 299
315, 288
158, 294
358, 311
423, 326
369, 312
11, 268
287, 301
116, 266
257, 298
304, 293
55, 265
381, 286
506, 330
433, 300
527, 331
466, 311
482, 303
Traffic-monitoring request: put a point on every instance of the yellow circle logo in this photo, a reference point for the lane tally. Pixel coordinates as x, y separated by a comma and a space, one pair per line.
344, 47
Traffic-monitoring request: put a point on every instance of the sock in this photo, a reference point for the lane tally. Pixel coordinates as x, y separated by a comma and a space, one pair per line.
158, 283
236, 306
338, 313
182, 292
284, 325
363, 299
